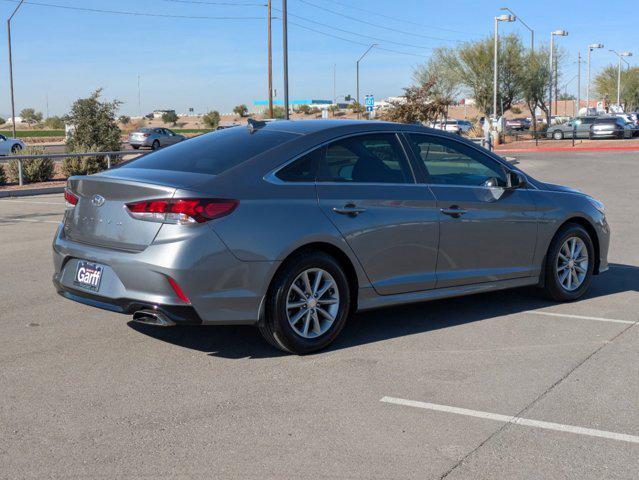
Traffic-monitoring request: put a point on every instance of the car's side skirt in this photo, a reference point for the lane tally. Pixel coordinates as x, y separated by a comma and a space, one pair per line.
368, 299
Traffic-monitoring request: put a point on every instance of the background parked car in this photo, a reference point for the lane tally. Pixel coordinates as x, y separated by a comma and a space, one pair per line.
154, 138
565, 130
10, 146
518, 123
610, 127
451, 126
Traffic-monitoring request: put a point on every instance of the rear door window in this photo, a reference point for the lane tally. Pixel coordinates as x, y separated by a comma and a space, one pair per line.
375, 158
214, 152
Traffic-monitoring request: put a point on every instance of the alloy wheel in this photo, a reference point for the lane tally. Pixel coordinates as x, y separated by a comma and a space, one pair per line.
312, 303
572, 263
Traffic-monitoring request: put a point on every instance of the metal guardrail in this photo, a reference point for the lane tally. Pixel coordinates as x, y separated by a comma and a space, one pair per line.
109, 157
543, 135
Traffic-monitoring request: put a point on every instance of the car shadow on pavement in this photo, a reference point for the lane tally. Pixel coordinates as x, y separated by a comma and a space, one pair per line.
235, 342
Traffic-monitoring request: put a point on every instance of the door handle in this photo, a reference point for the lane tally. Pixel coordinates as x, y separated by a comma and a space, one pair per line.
453, 211
349, 209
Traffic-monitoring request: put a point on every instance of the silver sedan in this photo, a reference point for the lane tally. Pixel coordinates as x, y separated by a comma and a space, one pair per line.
295, 226
10, 146
154, 138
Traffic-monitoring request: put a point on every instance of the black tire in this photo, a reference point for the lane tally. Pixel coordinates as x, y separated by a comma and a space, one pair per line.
275, 327
16, 149
135, 147
552, 285
155, 145
558, 135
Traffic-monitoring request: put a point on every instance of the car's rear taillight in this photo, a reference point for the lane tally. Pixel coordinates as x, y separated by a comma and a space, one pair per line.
181, 210
146, 135
70, 198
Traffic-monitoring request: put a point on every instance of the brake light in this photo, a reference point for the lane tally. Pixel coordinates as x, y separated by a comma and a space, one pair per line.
70, 198
181, 210
146, 134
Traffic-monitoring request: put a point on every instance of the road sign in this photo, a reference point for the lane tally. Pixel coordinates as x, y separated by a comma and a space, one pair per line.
369, 103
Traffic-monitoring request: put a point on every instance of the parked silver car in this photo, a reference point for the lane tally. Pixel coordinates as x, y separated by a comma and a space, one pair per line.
610, 127
579, 127
294, 226
154, 138
10, 146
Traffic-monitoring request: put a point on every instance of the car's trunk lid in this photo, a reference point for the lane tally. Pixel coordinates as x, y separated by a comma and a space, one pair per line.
100, 217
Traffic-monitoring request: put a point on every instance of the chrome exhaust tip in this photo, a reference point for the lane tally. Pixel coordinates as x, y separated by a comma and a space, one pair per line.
152, 317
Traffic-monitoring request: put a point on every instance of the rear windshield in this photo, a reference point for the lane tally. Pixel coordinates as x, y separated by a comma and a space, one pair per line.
214, 152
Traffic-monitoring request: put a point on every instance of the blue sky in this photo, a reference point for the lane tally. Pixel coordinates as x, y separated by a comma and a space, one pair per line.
209, 63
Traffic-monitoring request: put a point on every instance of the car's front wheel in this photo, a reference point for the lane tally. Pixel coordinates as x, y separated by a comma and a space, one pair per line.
307, 304
558, 135
569, 264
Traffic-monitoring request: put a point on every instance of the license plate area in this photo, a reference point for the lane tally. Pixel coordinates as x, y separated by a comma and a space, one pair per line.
88, 275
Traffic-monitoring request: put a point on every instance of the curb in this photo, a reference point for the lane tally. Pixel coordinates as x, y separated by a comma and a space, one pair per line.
566, 149
30, 192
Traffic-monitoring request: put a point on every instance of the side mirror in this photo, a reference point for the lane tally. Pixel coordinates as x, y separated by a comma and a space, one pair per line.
515, 180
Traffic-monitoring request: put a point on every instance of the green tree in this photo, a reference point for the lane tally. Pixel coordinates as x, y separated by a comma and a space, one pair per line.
535, 83
124, 119
241, 110
94, 129
2, 121
605, 84
419, 105
170, 117
54, 123
30, 116
212, 119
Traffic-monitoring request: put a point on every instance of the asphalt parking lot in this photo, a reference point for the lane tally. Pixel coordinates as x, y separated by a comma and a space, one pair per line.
496, 386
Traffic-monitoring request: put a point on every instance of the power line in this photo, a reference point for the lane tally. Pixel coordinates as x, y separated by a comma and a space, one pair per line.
356, 33
227, 4
397, 19
353, 41
136, 14
376, 24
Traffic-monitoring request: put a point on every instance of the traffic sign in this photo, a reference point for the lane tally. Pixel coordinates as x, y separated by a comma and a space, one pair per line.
369, 102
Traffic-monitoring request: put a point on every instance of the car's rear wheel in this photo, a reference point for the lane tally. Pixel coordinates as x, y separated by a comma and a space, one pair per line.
16, 149
569, 264
558, 135
307, 304
155, 145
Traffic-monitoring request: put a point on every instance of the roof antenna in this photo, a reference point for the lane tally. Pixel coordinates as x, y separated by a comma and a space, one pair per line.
253, 124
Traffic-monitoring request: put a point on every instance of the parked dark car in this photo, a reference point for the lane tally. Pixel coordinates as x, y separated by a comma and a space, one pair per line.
518, 123
610, 127
567, 130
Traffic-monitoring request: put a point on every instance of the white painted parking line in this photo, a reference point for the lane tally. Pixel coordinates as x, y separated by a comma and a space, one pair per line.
582, 317
7, 200
622, 437
9, 220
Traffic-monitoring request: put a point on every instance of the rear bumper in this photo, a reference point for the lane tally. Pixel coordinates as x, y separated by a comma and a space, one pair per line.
179, 314
222, 289
139, 143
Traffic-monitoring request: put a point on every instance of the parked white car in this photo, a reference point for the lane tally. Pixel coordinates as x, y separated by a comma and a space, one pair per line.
452, 126
10, 146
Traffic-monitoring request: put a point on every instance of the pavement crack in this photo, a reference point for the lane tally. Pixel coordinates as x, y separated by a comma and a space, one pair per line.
535, 401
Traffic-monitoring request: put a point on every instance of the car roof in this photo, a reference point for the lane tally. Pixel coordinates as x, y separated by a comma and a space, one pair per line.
338, 127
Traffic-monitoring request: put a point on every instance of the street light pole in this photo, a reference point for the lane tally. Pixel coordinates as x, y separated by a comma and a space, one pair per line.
13, 104
500, 18
591, 47
559, 33
532, 32
620, 55
359, 105
270, 61
578, 84
285, 50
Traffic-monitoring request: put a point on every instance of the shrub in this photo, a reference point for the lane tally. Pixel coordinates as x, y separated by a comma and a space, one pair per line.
3, 178
34, 169
85, 165
304, 109
95, 128
2, 121
212, 119
30, 116
241, 110
278, 112
169, 117
54, 123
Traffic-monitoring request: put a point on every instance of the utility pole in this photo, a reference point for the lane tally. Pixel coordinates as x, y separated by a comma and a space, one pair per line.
591, 47
270, 63
560, 33
359, 105
13, 103
334, 91
500, 18
139, 97
285, 51
578, 84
